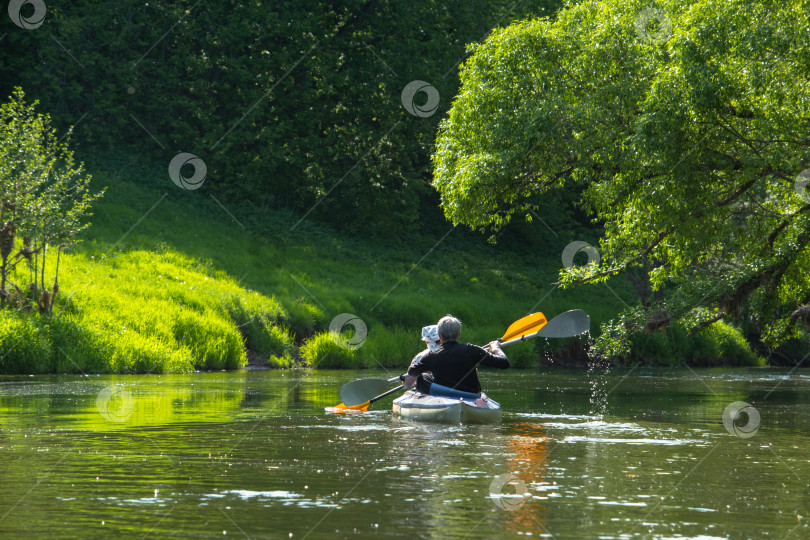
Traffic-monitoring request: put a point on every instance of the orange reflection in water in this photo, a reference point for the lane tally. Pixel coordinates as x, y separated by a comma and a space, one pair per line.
528, 448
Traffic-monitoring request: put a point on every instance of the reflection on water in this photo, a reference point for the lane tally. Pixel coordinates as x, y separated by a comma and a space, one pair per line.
253, 454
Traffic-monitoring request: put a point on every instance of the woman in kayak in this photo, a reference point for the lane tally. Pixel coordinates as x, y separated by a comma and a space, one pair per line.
453, 365
430, 335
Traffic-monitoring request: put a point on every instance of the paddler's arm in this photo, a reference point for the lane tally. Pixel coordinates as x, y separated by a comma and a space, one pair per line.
416, 368
495, 357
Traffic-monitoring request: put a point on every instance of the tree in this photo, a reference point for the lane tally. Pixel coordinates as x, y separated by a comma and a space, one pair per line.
44, 196
686, 126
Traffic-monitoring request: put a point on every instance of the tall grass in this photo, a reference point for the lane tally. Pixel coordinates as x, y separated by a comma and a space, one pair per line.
717, 345
145, 312
325, 351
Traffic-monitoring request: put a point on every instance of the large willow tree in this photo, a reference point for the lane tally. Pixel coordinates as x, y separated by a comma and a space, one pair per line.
686, 123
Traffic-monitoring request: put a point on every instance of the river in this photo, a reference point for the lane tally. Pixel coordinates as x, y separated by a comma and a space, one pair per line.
635, 453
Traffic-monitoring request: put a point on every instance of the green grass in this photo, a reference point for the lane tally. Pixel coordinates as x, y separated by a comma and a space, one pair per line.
327, 350
167, 280
145, 312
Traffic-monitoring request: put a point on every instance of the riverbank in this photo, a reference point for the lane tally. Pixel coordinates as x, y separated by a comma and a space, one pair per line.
170, 281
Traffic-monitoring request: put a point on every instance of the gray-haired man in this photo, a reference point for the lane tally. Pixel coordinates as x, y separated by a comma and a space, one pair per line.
453, 364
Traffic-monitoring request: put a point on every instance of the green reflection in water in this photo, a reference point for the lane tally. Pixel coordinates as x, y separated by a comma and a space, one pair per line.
628, 454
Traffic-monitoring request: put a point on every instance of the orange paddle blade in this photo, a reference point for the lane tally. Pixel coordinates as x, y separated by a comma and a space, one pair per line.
525, 326
341, 408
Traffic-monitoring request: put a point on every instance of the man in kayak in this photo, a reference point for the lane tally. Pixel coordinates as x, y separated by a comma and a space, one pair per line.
453, 365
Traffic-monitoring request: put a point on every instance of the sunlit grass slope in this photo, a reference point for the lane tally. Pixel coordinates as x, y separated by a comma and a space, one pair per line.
167, 280
139, 311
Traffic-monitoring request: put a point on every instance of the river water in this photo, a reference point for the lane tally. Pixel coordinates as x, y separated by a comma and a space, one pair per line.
626, 454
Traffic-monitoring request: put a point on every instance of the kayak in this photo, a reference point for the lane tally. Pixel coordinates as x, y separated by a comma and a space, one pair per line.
415, 405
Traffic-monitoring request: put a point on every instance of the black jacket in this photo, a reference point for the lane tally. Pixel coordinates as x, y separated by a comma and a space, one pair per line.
455, 365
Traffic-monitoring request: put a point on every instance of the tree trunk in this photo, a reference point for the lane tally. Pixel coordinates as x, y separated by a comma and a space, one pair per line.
6, 247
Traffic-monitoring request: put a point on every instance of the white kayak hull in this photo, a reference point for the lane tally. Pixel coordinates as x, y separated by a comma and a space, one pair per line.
417, 406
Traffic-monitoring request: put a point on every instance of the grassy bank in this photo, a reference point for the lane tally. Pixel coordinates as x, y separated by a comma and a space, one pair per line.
171, 281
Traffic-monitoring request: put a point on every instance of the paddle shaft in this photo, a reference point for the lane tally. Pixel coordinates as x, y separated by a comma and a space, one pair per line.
518, 340
400, 387
533, 335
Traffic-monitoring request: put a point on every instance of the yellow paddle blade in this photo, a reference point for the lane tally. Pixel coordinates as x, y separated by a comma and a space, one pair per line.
341, 408
525, 326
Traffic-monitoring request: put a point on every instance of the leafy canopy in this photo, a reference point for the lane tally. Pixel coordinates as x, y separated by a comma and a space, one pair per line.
687, 124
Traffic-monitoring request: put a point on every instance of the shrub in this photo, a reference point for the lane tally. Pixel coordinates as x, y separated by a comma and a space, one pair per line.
214, 343
283, 361
277, 345
323, 351
718, 344
731, 344
389, 348
135, 353
260, 320
23, 348
77, 349
304, 319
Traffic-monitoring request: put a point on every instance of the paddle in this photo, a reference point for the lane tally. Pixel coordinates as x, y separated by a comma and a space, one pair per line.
569, 324
361, 390
363, 407
526, 325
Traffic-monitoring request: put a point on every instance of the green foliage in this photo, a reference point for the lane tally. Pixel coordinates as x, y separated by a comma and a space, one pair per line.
732, 346
688, 140
389, 347
156, 313
314, 274
324, 350
77, 349
304, 318
523, 355
214, 343
23, 348
132, 352
258, 318
625, 342
284, 101
142, 306
43, 197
